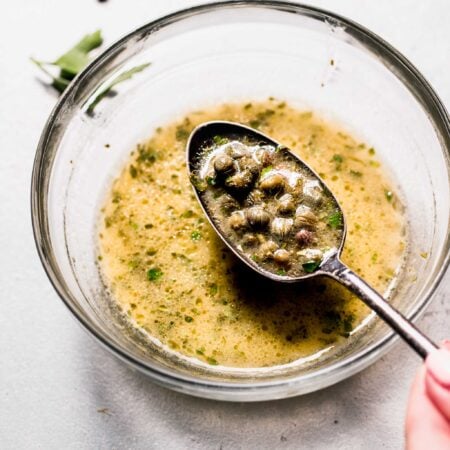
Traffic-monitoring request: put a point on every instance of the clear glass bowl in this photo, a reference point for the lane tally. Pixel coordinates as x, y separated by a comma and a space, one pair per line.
224, 52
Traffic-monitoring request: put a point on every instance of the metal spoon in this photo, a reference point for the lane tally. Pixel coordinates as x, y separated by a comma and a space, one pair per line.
331, 265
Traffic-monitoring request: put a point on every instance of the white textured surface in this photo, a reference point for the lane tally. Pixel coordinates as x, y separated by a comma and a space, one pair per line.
58, 388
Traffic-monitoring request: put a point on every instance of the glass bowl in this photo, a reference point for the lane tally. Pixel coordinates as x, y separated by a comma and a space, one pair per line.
237, 51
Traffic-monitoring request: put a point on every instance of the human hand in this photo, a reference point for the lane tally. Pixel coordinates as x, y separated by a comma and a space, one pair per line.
428, 415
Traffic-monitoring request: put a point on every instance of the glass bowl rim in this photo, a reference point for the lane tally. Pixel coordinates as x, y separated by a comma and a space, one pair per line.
178, 381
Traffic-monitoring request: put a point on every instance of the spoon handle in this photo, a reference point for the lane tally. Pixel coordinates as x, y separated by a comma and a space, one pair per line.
335, 269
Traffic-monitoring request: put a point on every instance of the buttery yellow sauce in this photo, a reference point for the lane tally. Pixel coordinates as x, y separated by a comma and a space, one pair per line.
175, 279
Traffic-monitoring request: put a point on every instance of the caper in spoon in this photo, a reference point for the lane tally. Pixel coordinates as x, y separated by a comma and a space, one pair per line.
283, 208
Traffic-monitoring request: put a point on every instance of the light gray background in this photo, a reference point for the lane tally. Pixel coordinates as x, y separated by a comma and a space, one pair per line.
58, 388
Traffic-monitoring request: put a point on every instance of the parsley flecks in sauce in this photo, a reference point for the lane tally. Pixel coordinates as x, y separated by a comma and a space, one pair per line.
238, 318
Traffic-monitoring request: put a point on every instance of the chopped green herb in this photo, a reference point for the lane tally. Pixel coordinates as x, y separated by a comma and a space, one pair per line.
389, 195
213, 289
200, 351
198, 183
211, 361
134, 263
118, 79
337, 158
248, 106
147, 155
371, 151
281, 272
311, 266
211, 181
374, 257
188, 319
181, 134
133, 171
255, 123
265, 171
147, 226
356, 173
196, 235
332, 321
335, 220
220, 140
154, 274
187, 214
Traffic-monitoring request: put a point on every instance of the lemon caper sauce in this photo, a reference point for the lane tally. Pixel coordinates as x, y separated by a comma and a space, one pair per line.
267, 204
174, 278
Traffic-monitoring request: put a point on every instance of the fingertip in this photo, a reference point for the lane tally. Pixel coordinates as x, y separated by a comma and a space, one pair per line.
439, 395
438, 366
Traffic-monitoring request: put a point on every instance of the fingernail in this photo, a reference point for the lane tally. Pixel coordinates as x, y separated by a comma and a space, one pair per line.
438, 364
446, 344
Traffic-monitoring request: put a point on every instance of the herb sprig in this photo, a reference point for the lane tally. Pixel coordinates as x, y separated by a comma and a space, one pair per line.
75, 60
71, 62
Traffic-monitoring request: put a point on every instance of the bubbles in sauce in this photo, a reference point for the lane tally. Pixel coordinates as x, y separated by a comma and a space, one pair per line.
175, 279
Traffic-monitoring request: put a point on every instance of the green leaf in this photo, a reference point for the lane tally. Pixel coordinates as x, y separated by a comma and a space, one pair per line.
154, 274
76, 59
335, 220
119, 79
311, 266
71, 62
58, 83
196, 235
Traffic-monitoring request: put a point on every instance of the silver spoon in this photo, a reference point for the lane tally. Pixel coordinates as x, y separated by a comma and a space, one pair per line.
331, 265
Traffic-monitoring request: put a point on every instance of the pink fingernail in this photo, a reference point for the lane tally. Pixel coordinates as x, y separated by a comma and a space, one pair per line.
438, 364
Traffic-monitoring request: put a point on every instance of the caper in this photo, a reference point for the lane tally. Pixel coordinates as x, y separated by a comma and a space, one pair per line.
264, 156
273, 183
237, 220
282, 256
228, 203
304, 237
281, 226
223, 163
257, 217
254, 197
237, 149
312, 192
248, 163
240, 181
286, 204
249, 240
311, 254
267, 249
305, 218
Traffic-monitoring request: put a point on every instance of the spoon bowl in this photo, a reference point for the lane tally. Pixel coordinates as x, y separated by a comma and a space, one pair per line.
202, 138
